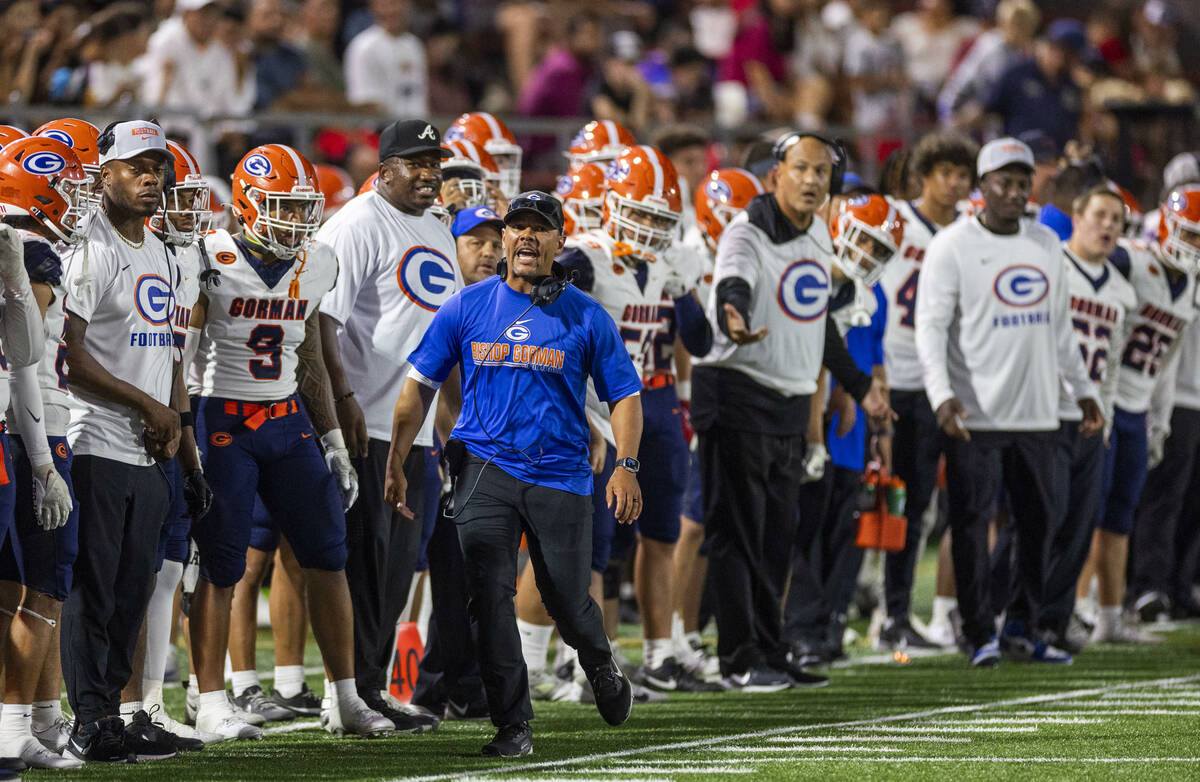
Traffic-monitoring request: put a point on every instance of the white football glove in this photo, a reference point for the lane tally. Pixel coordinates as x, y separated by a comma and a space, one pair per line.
815, 457
1156, 442
51, 498
337, 457
12, 258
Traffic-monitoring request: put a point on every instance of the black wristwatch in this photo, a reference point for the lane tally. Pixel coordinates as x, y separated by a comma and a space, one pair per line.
629, 463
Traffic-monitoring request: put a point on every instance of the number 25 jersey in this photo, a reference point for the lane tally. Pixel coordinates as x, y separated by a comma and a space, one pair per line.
255, 319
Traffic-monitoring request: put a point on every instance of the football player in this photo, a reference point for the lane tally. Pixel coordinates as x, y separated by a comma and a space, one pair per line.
486, 131
81, 136
599, 142
581, 191
261, 345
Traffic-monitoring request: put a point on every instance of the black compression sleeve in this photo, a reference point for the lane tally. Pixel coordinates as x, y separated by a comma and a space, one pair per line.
841, 364
735, 291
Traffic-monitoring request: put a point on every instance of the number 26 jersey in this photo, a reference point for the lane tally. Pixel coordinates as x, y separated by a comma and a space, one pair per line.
255, 319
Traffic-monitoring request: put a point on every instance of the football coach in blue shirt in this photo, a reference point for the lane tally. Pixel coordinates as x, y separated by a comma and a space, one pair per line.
526, 342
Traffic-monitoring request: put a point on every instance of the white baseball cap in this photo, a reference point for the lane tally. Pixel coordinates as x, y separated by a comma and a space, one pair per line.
192, 5
133, 138
1001, 152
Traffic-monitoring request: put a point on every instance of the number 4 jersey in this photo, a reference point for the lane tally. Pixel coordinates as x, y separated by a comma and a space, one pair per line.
255, 319
1165, 305
899, 282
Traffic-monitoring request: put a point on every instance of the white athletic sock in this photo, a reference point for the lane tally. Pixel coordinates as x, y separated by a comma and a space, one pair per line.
677, 631
1109, 618
289, 680
535, 643
655, 652
942, 606
129, 709
46, 713
158, 622
244, 680
346, 692
215, 700
16, 722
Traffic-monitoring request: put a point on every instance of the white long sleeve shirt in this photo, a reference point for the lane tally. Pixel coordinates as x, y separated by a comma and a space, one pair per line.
993, 326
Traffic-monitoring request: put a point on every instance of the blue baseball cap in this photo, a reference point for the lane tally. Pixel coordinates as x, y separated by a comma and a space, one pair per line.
468, 219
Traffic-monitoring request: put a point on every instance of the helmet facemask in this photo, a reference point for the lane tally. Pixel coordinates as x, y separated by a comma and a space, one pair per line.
508, 160
1177, 252
69, 226
285, 221
861, 252
643, 241
586, 214
187, 214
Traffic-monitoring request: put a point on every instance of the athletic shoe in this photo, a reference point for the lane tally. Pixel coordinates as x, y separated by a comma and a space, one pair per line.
247, 716
1183, 610
146, 741
987, 655
612, 691
186, 739
55, 736
1152, 606
358, 718
898, 634
1079, 632
10, 766
712, 665
191, 704
800, 677
227, 724
406, 717
1016, 644
304, 703
673, 677
255, 701
512, 741
102, 741
542, 684
1122, 632
31, 753
809, 651
758, 680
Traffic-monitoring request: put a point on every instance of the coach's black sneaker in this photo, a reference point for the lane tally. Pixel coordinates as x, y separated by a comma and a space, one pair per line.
406, 721
673, 677
161, 720
612, 691
898, 634
1152, 606
512, 741
254, 701
758, 680
146, 741
304, 703
102, 741
800, 677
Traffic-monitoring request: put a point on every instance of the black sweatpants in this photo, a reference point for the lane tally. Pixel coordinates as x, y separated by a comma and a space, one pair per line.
382, 548
1161, 552
1023, 462
916, 446
558, 528
751, 489
122, 508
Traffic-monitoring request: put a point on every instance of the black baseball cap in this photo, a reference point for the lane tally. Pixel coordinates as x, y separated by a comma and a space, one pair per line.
540, 203
410, 137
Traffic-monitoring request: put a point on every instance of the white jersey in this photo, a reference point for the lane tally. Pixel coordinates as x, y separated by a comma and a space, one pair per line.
1101, 299
1187, 369
256, 320
694, 240
396, 271
790, 286
993, 326
1163, 312
899, 282
127, 296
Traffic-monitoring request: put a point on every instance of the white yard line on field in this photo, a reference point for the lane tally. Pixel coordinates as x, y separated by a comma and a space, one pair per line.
834, 739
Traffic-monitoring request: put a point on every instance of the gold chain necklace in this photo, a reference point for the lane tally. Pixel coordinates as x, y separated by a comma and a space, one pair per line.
137, 246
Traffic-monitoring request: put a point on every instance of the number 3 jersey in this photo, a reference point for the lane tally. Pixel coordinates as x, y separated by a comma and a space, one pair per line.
1165, 305
1101, 301
256, 319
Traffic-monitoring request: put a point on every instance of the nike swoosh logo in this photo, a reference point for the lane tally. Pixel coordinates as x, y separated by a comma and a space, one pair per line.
36, 419
305, 436
126, 266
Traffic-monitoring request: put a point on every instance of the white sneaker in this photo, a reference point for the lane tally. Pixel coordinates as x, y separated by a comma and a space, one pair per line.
227, 725
34, 755
55, 736
191, 704
941, 632
542, 684
171, 725
358, 718
1121, 632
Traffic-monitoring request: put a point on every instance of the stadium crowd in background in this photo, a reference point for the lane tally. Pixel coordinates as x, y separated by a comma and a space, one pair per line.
780, 363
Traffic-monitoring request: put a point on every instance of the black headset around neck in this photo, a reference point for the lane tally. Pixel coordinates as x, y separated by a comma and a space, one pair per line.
546, 289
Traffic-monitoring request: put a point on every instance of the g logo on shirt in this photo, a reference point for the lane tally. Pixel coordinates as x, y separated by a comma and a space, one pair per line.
44, 163
518, 331
426, 277
804, 290
257, 165
1021, 286
154, 299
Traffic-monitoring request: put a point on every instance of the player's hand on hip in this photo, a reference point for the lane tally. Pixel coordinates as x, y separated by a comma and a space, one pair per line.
395, 487
196, 494
51, 498
1093, 418
354, 426
739, 332
624, 496
337, 459
951, 417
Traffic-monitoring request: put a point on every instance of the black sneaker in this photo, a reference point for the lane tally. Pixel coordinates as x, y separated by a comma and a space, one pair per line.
512, 741
1151, 606
102, 741
759, 680
673, 677
146, 741
613, 692
799, 676
304, 703
182, 743
898, 634
255, 701
405, 721
10, 766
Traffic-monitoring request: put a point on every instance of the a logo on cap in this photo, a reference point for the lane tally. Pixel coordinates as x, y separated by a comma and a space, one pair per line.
426, 277
486, 213
154, 299
44, 163
59, 135
533, 197
804, 290
257, 165
429, 133
144, 130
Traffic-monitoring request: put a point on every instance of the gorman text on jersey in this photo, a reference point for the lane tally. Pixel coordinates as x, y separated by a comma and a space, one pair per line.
268, 309
534, 357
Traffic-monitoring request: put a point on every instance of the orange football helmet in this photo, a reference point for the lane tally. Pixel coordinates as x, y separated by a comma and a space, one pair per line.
643, 206
866, 232
470, 159
276, 200
186, 215
9, 134
336, 185
720, 197
81, 136
1134, 216
582, 194
1179, 229
497, 140
44, 179
370, 184
599, 141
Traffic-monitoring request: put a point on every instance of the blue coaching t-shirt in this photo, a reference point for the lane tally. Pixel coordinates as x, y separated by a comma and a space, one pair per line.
865, 344
524, 396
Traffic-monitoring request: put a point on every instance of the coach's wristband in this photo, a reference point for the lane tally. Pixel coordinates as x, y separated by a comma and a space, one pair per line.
333, 440
684, 389
187, 419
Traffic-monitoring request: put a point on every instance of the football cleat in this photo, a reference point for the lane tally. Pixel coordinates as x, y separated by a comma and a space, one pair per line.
673, 677
758, 680
31, 752
987, 655
55, 736
357, 718
305, 703
227, 725
255, 701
